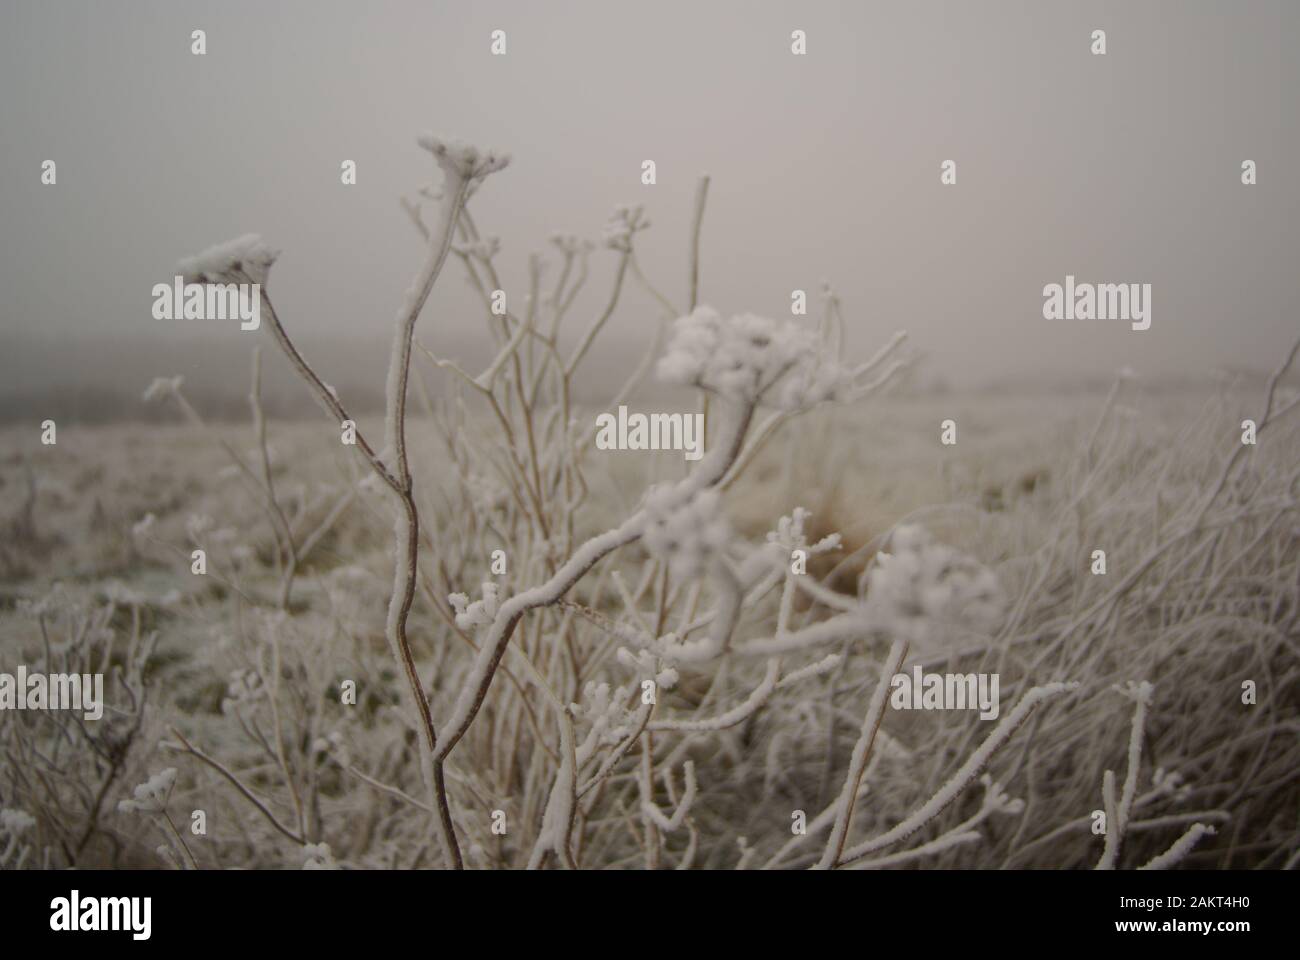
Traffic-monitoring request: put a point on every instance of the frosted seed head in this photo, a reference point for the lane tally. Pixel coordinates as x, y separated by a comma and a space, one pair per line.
685, 530
922, 583
318, 856
570, 243
14, 822
150, 796
751, 358
626, 222
483, 250
163, 387
463, 161
244, 259
1137, 691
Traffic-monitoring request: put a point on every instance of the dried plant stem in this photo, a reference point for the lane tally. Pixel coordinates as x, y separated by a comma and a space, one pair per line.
861, 754
701, 195
406, 524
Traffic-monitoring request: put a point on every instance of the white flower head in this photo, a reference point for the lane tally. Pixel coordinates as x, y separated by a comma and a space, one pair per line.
151, 796
687, 530
245, 259
922, 583
748, 358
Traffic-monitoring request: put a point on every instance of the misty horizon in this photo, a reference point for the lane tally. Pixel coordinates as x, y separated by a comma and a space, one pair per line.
823, 167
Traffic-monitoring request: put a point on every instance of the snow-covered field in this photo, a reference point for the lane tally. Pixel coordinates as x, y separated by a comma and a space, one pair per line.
771, 741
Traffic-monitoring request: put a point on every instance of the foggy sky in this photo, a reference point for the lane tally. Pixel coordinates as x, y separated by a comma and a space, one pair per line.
1122, 168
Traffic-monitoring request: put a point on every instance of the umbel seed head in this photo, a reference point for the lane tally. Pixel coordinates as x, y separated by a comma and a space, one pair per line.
244, 257
463, 160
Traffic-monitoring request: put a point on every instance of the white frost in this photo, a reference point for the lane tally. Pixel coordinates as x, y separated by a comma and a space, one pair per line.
462, 160
244, 257
751, 358
921, 582
684, 528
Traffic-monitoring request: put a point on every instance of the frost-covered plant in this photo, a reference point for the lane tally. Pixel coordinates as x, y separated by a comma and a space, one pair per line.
149, 800
744, 362
751, 359
245, 258
920, 586
150, 796
59, 771
14, 824
317, 856
572, 667
685, 529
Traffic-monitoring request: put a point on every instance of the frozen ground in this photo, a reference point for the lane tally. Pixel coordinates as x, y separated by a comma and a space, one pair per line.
1033, 485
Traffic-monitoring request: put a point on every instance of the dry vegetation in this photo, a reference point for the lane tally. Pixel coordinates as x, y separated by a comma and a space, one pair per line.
516, 698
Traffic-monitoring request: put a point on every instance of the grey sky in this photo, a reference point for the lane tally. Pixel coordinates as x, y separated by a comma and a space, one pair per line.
1122, 168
